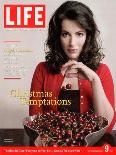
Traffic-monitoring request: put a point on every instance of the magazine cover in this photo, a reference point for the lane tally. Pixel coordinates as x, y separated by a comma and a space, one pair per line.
57, 76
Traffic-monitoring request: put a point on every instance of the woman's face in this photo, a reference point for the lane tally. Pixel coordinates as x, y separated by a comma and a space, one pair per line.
72, 38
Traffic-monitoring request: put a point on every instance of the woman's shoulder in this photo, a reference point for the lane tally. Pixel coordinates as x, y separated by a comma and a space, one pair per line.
102, 68
102, 65
42, 66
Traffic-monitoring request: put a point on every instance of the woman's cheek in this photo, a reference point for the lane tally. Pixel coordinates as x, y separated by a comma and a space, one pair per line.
64, 43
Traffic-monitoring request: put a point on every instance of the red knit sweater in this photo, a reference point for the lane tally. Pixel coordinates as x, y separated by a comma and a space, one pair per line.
43, 81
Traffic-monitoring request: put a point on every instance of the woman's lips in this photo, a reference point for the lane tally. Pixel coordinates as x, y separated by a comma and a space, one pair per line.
72, 50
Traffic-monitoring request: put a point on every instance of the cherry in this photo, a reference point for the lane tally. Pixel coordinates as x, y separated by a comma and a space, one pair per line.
68, 86
67, 140
59, 136
69, 128
63, 88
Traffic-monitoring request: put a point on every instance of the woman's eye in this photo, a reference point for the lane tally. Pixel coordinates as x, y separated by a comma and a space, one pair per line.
80, 34
64, 34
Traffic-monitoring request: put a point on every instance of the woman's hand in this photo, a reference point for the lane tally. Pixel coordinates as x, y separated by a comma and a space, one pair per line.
84, 72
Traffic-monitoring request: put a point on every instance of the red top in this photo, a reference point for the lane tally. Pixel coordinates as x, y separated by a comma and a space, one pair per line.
43, 81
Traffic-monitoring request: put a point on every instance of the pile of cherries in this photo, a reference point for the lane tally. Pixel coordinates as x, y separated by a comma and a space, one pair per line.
66, 128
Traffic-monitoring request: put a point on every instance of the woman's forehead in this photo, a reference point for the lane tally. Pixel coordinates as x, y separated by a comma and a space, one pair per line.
71, 25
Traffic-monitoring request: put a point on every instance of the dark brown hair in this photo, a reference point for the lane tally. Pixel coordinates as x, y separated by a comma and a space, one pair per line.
91, 55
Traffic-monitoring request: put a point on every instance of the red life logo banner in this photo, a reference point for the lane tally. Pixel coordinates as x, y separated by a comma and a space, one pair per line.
24, 16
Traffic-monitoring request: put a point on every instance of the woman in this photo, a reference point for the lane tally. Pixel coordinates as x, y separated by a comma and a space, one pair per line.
72, 69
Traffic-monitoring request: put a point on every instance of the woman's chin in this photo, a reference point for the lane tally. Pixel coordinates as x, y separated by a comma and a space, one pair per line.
73, 58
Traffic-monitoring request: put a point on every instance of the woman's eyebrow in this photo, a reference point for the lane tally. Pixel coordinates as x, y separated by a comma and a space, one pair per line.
75, 32
80, 31
64, 31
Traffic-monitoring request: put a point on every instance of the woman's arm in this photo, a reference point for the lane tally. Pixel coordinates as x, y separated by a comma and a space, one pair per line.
102, 88
36, 86
108, 88
101, 105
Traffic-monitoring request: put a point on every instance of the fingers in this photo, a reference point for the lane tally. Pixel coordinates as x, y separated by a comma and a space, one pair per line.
82, 70
78, 66
74, 66
69, 63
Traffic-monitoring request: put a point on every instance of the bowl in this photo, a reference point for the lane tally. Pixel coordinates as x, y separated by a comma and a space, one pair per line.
34, 135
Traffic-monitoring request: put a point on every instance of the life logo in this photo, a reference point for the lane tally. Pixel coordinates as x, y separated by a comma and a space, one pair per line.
24, 16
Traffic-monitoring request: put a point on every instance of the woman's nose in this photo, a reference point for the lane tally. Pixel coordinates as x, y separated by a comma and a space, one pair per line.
72, 41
